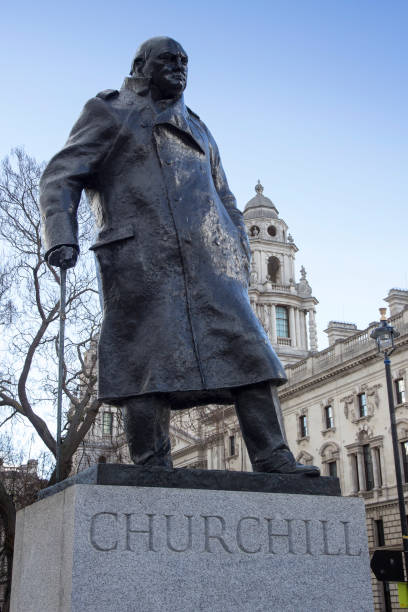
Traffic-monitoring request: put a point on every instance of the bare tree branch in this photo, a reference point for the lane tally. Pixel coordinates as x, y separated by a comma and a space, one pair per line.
29, 311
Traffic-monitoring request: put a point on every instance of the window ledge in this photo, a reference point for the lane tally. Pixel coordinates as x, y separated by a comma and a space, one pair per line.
328, 430
362, 419
303, 439
234, 456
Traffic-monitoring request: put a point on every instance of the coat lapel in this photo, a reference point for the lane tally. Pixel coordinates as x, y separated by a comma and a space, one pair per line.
177, 116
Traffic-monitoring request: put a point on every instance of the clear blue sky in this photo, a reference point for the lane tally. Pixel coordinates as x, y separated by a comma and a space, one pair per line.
310, 96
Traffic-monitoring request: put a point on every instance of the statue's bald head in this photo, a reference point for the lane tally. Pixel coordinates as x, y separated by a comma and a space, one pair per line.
152, 45
164, 62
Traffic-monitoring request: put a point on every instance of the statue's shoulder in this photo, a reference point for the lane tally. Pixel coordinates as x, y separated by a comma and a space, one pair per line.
108, 94
193, 114
197, 120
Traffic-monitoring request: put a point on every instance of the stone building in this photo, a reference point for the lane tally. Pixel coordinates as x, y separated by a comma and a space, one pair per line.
336, 414
334, 405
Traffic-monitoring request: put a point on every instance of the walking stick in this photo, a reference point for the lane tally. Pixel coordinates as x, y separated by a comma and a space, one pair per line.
61, 339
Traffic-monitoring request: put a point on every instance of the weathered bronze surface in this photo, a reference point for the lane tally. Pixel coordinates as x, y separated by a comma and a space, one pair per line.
178, 329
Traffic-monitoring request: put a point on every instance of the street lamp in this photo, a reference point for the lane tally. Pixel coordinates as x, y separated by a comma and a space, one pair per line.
384, 335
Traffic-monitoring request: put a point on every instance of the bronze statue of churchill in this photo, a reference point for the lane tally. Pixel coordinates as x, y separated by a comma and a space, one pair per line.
178, 329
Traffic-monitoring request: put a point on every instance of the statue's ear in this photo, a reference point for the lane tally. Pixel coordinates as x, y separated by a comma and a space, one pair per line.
137, 66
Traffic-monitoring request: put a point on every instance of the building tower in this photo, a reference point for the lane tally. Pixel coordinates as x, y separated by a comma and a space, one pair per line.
285, 308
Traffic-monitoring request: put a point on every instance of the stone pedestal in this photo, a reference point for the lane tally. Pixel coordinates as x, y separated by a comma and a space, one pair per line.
110, 548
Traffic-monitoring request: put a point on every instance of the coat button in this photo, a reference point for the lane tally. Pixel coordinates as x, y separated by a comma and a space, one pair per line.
217, 242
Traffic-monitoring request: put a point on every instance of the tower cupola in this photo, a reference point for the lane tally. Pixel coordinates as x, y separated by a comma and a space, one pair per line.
286, 308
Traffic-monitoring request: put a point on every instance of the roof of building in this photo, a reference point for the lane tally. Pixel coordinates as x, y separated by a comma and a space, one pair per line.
261, 203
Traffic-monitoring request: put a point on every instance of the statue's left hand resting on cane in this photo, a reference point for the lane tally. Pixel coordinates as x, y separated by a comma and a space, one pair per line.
63, 257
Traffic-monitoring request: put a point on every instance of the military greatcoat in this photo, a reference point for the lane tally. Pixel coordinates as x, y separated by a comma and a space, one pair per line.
171, 246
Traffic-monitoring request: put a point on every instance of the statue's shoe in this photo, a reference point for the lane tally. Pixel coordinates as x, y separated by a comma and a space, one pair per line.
290, 468
298, 468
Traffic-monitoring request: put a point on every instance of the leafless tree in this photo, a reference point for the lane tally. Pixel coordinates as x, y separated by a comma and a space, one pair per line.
29, 312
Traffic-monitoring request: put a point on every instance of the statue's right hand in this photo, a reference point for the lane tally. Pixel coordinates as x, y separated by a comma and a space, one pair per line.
63, 257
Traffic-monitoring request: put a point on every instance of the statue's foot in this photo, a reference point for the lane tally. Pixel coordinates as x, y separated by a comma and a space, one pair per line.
282, 461
298, 468
289, 468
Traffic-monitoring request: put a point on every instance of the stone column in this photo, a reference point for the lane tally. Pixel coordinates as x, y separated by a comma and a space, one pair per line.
258, 261
376, 467
312, 330
292, 328
304, 329
285, 270
273, 324
354, 478
265, 319
361, 470
298, 333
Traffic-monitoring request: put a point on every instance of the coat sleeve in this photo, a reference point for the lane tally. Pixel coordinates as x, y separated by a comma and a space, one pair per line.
71, 170
226, 196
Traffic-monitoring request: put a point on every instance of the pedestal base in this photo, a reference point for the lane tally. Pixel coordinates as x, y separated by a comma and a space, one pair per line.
111, 548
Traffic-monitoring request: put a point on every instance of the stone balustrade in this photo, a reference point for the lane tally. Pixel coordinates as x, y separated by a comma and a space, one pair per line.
343, 350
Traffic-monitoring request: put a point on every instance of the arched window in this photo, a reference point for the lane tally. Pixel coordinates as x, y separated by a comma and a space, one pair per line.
273, 269
282, 324
330, 456
102, 459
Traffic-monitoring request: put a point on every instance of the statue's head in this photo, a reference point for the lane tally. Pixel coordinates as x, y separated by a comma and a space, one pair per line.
164, 61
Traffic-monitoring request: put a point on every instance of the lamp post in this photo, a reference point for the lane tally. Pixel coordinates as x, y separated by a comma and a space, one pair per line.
385, 335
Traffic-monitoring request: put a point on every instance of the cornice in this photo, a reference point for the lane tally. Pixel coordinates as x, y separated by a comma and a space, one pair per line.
330, 373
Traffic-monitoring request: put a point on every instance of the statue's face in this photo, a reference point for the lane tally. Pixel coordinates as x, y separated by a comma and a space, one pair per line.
167, 68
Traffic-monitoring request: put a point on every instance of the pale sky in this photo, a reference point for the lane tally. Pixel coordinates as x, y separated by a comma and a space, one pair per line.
308, 96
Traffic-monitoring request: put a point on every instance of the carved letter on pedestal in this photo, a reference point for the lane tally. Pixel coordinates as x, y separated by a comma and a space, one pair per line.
189, 538
208, 536
326, 550
97, 524
346, 525
239, 534
148, 531
288, 535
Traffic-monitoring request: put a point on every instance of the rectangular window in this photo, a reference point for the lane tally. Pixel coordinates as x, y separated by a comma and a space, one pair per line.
368, 467
333, 468
107, 423
282, 325
379, 532
400, 391
362, 404
404, 452
328, 411
303, 426
232, 446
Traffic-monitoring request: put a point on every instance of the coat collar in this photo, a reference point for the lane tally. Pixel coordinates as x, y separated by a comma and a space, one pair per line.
164, 111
